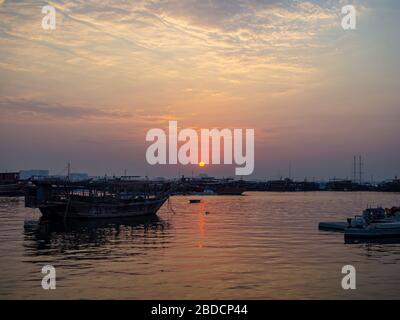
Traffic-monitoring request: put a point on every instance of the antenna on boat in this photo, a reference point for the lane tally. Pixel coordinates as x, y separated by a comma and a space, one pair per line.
68, 170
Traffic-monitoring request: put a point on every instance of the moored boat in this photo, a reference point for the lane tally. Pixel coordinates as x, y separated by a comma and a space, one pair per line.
374, 223
369, 217
374, 231
96, 200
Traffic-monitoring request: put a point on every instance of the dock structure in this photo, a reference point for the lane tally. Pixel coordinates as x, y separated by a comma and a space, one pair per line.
10, 185
12, 190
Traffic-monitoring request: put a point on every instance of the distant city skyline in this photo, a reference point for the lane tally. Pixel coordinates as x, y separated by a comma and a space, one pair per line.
88, 91
194, 171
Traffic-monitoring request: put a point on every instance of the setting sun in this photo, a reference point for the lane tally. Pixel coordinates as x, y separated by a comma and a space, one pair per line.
202, 164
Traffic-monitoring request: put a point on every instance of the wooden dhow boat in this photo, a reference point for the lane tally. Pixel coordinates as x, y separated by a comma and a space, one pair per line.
116, 198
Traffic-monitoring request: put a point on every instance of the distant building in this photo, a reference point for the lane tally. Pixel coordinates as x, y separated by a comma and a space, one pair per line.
285, 185
204, 176
390, 186
340, 185
159, 179
347, 185
78, 176
9, 177
27, 174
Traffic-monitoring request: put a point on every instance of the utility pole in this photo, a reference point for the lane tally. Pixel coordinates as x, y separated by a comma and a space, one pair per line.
68, 170
360, 168
355, 169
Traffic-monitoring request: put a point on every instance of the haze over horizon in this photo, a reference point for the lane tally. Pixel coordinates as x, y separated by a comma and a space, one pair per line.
88, 91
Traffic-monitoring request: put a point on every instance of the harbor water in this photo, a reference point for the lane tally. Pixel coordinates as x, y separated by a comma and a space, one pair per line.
255, 246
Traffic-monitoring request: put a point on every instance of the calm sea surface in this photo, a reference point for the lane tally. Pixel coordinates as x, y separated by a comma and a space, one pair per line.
256, 246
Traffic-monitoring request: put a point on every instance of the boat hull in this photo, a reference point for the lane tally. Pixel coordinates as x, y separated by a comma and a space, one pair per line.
379, 231
229, 191
82, 210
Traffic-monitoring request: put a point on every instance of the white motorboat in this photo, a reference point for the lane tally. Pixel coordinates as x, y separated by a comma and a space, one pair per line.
370, 216
375, 223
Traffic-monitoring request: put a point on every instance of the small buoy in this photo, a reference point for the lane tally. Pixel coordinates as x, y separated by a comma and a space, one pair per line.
207, 212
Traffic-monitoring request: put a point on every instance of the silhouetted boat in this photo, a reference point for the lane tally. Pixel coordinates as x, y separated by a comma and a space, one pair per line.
374, 231
96, 199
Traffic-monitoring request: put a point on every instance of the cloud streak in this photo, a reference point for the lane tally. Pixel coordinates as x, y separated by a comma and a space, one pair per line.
31, 109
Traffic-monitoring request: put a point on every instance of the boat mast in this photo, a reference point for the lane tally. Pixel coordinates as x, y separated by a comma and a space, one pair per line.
68, 170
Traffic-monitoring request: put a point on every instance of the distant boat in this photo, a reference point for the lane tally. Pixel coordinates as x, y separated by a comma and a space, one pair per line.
93, 200
194, 200
229, 189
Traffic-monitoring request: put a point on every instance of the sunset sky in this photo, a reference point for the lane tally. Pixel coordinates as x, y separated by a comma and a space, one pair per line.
88, 91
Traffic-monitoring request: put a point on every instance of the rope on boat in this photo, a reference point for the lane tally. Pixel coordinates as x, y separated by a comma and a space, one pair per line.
68, 202
67, 209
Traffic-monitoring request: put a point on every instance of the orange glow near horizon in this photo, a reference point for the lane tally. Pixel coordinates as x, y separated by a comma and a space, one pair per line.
202, 164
